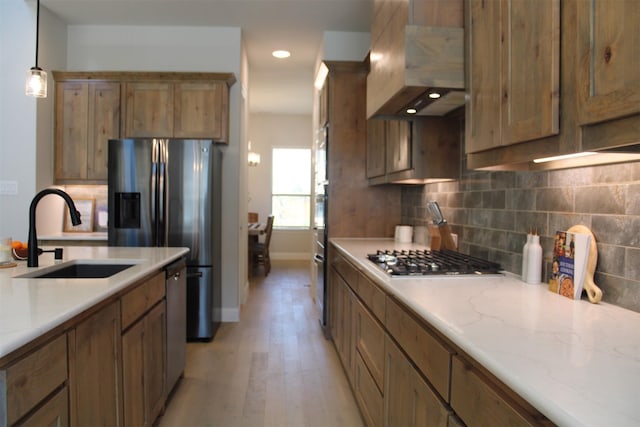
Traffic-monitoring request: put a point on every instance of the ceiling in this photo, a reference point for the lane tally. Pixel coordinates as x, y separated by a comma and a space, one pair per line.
276, 86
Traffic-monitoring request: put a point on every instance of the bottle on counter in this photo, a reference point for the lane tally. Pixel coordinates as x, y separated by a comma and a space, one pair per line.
534, 265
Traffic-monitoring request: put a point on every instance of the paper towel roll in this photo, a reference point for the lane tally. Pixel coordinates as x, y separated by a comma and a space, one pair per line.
404, 233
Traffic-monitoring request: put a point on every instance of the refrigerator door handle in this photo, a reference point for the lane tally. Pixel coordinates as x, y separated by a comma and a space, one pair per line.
162, 193
153, 201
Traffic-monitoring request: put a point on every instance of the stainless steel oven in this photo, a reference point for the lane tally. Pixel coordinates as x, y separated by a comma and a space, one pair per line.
320, 224
320, 256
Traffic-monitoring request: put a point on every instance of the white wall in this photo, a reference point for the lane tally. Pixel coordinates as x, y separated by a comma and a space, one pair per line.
26, 123
268, 131
206, 49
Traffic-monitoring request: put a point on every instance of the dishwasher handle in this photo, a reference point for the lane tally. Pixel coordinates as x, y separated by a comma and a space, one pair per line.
174, 270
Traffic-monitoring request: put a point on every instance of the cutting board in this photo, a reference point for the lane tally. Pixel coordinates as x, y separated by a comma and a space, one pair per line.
593, 291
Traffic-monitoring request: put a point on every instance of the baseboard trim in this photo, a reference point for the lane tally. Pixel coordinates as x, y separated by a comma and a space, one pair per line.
291, 256
231, 314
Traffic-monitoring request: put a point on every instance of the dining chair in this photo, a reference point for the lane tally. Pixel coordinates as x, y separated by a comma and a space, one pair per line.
260, 250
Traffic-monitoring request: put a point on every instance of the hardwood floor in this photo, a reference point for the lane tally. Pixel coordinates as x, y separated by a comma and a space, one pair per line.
274, 368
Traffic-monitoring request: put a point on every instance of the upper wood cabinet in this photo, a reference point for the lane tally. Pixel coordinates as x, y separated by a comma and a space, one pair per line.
87, 115
598, 95
93, 107
608, 67
513, 73
148, 110
416, 46
177, 109
424, 149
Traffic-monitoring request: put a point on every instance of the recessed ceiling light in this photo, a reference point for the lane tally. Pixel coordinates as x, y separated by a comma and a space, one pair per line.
280, 54
434, 95
411, 111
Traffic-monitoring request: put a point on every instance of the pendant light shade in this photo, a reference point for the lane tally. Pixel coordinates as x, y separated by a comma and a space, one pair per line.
36, 85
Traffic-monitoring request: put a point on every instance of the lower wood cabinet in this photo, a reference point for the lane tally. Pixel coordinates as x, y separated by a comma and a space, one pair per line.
480, 402
95, 370
30, 381
143, 365
55, 412
144, 316
107, 367
402, 371
367, 393
409, 400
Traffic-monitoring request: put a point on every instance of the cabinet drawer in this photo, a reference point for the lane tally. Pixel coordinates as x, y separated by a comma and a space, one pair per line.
141, 299
372, 296
369, 337
53, 413
27, 382
429, 355
367, 394
479, 403
348, 272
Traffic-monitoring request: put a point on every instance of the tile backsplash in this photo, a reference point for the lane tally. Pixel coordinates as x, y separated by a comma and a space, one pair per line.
492, 212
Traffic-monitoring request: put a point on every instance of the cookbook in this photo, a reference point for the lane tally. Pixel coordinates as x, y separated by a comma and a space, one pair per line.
569, 264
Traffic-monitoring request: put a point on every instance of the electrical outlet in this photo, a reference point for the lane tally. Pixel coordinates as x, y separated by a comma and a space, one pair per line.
8, 188
454, 236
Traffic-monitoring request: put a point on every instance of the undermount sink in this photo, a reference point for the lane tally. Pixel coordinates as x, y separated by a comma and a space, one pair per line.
78, 270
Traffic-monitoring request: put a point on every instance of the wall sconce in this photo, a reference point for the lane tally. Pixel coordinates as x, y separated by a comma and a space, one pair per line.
36, 85
253, 158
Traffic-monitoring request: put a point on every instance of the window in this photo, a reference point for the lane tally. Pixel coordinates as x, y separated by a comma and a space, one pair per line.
291, 187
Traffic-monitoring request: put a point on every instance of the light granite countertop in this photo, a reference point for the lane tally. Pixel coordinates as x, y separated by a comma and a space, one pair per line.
578, 363
31, 307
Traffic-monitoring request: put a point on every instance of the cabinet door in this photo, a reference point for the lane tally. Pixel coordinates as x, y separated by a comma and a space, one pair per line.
608, 59
95, 371
133, 375
55, 412
104, 124
479, 403
399, 146
367, 394
71, 130
408, 400
201, 110
369, 341
376, 148
87, 116
530, 70
143, 368
513, 72
483, 32
149, 110
155, 359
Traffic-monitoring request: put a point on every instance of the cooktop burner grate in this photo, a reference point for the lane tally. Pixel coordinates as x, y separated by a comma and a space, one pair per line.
427, 263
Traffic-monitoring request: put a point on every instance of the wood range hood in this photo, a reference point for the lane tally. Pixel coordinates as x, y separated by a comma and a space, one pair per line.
417, 52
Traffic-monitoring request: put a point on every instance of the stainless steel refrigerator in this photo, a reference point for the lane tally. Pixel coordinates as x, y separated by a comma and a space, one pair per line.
167, 192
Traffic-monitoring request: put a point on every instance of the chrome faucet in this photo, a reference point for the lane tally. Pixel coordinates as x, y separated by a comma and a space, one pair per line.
33, 252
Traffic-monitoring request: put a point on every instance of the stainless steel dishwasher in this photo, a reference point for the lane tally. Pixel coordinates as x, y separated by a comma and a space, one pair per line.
176, 289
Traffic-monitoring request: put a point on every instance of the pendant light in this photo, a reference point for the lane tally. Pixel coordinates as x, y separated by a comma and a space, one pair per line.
36, 85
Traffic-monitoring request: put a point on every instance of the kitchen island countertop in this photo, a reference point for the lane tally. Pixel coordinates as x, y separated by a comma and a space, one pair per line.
578, 363
31, 307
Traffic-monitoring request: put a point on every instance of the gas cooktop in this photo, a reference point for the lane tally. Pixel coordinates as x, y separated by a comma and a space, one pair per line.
429, 263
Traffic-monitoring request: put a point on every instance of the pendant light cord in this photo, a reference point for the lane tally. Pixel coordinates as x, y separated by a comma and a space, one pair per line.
37, 29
